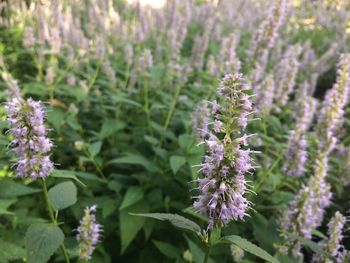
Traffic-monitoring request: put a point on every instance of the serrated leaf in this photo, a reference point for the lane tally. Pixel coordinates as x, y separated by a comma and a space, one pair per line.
176, 220
94, 148
131, 225
132, 196
250, 247
42, 241
10, 251
63, 195
66, 174
176, 162
13, 189
167, 249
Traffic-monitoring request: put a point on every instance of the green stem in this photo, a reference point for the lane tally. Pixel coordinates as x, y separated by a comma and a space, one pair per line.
146, 106
53, 220
170, 112
206, 258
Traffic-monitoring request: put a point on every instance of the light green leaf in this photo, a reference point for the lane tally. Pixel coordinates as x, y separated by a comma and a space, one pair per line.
167, 249
131, 225
94, 148
63, 195
133, 195
176, 162
250, 247
176, 220
4, 204
56, 116
13, 189
42, 241
10, 251
109, 127
66, 174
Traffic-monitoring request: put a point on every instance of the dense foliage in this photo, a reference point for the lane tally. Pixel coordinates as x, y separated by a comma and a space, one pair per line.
200, 131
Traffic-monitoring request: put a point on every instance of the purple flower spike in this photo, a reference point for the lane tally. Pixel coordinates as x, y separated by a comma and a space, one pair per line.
222, 190
30, 144
89, 233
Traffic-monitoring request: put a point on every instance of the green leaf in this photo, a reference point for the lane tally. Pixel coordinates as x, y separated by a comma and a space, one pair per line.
167, 249
176, 220
131, 225
55, 117
42, 241
197, 252
13, 189
109, 127
4, 204
176, 162
132, 158
186, 142
63, 195
133, 195
250, 247
10, 252
94, 148
67, 175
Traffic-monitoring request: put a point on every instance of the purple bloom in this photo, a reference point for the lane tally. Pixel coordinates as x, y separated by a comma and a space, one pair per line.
287, 71
306, 211
223, 188
332, 113
333, 243
296, 154
30, 144
200, 120
89, 233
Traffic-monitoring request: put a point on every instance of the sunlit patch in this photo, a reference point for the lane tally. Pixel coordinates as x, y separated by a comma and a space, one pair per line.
152, 3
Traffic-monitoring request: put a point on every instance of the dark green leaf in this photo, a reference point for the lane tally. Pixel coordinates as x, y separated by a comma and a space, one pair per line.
176, 220
250, 247
42, 241
176, 162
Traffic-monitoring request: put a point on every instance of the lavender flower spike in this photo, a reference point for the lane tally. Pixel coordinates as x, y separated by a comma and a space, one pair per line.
30, 144
223, 188
331, 115
333, 243
296, 154
89, 232
306, 211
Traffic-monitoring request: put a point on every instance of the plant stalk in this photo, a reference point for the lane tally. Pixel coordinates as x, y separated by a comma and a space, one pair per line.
53, 220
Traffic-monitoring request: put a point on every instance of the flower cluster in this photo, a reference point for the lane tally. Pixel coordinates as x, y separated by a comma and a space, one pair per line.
331, 115
30, 144
223, 188
265, 94
89, 232
12, 90
307, 209
267, 33
287, 70
333, 243
201, 120
228, 54
296, 154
